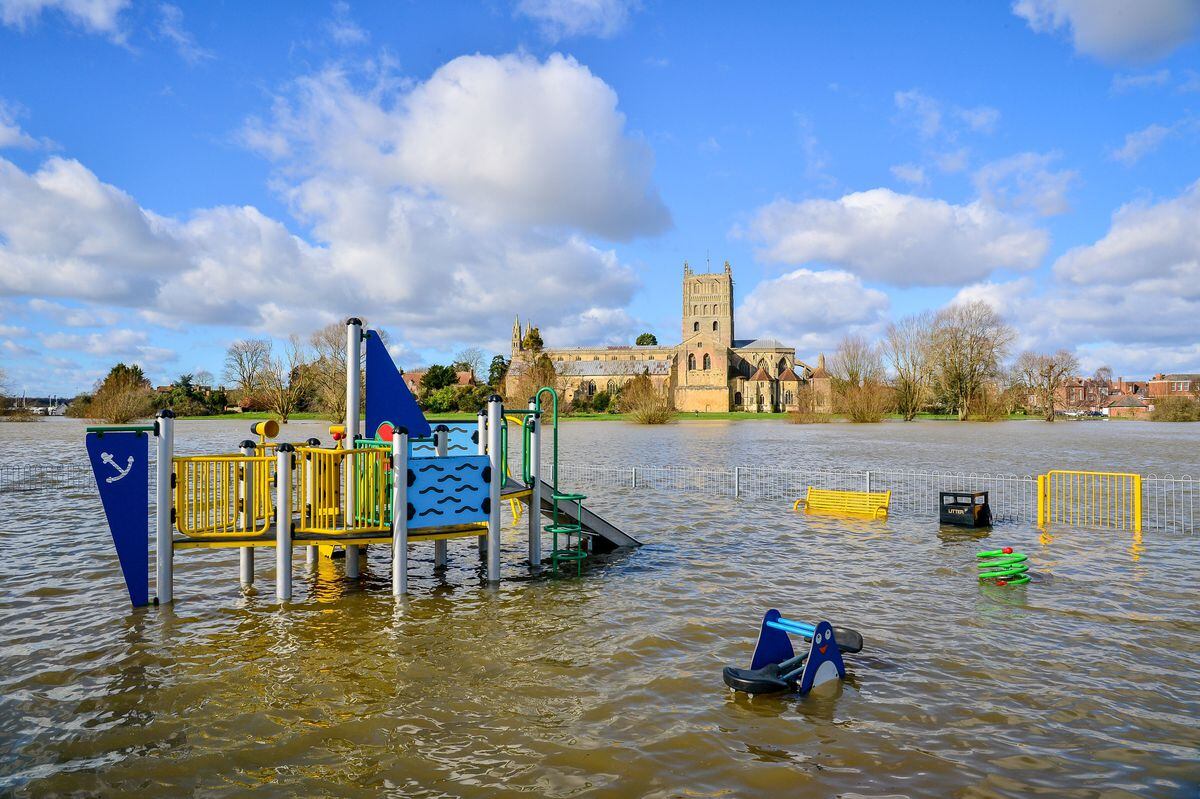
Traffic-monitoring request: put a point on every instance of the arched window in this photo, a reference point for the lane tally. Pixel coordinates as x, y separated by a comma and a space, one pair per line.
715, 326
691, 361
787, 398
783, 364
737, 399
612, 387
591, 388
707, 362
695, 327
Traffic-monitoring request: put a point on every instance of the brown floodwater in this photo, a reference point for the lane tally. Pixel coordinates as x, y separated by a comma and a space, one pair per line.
1082, 683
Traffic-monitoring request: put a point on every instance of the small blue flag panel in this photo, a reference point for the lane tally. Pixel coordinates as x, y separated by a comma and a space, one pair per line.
120, 462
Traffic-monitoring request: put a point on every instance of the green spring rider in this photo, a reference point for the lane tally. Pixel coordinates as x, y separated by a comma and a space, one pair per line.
1003, 566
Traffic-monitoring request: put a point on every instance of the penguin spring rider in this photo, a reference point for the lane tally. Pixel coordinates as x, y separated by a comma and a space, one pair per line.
776, 668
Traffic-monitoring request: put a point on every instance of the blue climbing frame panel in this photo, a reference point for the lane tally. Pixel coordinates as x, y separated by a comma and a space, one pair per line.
448, 491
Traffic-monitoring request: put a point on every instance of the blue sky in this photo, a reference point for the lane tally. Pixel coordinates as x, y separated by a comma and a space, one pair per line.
175, 177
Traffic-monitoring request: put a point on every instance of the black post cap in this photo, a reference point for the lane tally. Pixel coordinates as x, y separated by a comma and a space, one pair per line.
313, 442
166, 413
443, 428
495, 398
247, 443
354, 320
401, 430
286, 447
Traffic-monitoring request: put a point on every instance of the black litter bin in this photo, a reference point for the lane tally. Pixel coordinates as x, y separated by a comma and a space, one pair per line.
965, 508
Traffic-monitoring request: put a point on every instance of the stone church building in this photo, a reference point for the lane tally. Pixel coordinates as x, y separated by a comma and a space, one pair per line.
709, 370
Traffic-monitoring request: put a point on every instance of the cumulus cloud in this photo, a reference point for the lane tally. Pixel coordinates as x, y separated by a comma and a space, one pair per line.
1146, 241
442, 238
94, 16
1116, 30
1026, 181
560, 19
342, 28
898, 238
1141, 80
812, 309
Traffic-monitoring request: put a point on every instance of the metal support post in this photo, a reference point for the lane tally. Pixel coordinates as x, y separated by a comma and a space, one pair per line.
495, 418
399, 513
353, 378
246, 554
164, 549
482, 435
535, 498
283, 523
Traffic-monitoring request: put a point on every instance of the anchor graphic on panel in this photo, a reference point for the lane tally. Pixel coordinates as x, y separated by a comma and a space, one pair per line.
108, 458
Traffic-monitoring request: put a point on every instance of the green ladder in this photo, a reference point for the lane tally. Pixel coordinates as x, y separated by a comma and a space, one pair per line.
573, 550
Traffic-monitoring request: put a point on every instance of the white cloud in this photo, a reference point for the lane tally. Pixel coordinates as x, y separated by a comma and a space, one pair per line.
112, 343
170, 27
1025, 180
344, 30
594, 326
560, 19
95, 16
811, 309
1004, 298
1158, 241
910, 174
1141, 80
981, 119
1140, 143
898, 238
11, 134
443, 239
921, 111
1116, 30
74, 317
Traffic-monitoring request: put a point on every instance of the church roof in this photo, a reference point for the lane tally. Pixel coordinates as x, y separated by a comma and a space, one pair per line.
760, 344
788, 375
820, 371
761, 374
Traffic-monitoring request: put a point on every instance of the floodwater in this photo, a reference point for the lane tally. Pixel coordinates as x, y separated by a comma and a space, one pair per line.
1080, 684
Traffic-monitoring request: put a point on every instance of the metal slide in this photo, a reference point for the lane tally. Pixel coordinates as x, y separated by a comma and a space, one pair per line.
592, 523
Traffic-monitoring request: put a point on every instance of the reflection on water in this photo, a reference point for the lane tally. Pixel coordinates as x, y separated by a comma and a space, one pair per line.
609, 685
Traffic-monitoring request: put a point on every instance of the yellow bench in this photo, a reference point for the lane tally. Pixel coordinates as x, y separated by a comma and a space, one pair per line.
856, 503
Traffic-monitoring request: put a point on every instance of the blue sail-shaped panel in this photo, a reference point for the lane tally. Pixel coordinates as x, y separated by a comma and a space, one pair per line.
388, 398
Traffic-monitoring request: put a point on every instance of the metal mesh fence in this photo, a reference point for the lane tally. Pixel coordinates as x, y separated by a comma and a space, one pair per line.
1169, 502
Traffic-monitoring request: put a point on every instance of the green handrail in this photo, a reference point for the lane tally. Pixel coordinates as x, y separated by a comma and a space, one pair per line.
121, 428
537, 405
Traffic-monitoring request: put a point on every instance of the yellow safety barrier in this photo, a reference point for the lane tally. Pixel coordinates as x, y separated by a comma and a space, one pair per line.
855, 503
322, 485
210, 495
1103, 500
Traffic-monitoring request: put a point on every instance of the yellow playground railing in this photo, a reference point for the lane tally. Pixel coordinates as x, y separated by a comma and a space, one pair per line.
211, 498
1104, 500
323, 489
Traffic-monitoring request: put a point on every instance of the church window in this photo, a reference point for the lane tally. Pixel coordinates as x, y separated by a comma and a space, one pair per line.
707, 361
737, 399
612, 387
783, 364
591, 388
691, 361
787, 398
695, 327
715, 326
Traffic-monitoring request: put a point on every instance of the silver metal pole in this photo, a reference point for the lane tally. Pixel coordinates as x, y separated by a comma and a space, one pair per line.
441, 439
535, 498
283, 523
399, 513
737, 481
482, 435
164, 550
246, 554
353, 354
495, 418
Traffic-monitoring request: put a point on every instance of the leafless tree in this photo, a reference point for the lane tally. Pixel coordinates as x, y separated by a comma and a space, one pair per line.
1044, 376
1103, 376
472, 359
285, 380
969, 344
245, 363
858, 380
907, 348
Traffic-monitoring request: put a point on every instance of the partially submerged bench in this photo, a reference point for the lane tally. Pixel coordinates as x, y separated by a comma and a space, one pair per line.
849, 503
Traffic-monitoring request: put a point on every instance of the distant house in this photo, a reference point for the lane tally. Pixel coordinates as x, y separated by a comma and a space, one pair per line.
462, 379
1173, 385
1127, 406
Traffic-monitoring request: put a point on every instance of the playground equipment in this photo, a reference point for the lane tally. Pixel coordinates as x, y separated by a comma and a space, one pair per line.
776, 667
1003, 566
847, 503
408, 483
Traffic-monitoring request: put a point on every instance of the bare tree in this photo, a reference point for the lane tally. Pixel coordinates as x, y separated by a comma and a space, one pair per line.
969, 344
907, 347
858, 385
1103, 376
1043, 376
470, 358
245, 363
286, 380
